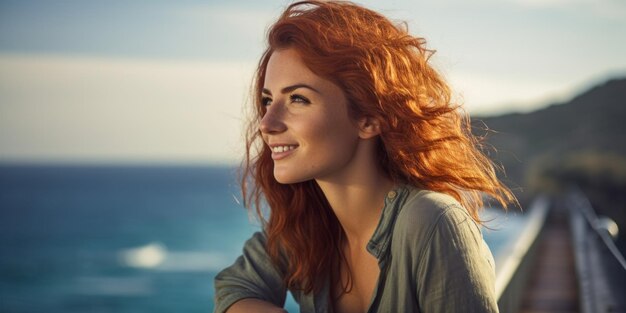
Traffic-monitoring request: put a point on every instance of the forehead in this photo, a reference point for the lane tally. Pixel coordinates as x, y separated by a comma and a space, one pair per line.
285, 67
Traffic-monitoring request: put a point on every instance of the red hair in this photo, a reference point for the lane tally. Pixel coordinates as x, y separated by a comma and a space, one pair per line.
425, 141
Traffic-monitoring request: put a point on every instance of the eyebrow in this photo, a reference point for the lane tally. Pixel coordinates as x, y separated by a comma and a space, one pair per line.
291, 88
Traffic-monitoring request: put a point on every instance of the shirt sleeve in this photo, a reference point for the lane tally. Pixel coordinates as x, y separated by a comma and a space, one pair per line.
456, 272
253, 275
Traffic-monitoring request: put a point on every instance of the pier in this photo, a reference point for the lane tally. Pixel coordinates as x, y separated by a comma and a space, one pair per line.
564, 261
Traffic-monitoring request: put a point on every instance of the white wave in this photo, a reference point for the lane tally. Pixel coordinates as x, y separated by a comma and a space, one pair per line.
147, 256
155, 256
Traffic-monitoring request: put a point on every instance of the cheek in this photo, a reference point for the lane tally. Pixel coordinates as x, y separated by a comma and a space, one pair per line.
332, 136
324, 130
314, 127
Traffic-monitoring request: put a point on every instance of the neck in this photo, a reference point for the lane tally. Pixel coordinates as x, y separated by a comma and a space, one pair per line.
357, 198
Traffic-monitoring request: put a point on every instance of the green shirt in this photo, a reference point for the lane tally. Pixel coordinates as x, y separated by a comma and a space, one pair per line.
431, 254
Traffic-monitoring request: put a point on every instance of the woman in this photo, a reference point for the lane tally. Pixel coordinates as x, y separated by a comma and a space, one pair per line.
372, 179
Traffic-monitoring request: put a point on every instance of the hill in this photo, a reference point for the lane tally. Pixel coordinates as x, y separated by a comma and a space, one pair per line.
591, 125
580, 142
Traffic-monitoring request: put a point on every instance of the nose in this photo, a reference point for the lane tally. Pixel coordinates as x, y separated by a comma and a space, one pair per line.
273, 120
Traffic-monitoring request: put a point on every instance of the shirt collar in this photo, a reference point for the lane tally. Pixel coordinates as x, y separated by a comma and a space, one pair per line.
379, 243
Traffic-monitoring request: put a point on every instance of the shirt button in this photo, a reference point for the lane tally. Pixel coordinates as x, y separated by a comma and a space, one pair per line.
392, 194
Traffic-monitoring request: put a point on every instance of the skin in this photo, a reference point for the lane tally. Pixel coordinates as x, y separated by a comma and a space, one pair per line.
310, 114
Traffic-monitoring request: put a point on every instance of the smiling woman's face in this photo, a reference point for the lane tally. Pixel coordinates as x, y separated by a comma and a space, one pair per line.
307, 124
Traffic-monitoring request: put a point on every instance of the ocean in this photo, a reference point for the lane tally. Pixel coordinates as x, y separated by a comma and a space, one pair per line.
126, 238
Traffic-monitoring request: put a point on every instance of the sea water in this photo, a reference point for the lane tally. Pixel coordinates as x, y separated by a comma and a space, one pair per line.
122, 239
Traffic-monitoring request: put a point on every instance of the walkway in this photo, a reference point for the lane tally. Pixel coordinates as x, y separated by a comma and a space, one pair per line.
552, 286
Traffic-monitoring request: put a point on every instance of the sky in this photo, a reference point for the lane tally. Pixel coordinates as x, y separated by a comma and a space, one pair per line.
167, 82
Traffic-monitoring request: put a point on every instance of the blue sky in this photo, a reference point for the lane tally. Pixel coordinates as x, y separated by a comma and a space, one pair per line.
167, 81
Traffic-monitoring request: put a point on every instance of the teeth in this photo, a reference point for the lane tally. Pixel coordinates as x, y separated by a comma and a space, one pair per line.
282, 148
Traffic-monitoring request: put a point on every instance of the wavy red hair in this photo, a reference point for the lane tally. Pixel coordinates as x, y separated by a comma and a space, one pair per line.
425, 139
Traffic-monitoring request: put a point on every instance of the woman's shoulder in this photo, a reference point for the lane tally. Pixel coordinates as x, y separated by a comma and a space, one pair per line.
426, 211
425, 207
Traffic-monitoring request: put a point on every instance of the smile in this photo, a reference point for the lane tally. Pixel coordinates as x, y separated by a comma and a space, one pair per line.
282, 151
278, 149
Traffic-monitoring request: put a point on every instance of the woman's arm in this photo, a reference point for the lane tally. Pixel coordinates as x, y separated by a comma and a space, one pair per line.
252, 283
456, 270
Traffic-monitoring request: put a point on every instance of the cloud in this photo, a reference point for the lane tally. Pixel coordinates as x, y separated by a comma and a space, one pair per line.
614, 10
484, 94
230, 16
80, 108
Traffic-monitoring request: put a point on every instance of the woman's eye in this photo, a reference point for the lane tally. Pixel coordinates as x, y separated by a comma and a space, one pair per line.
300, 99
265, 101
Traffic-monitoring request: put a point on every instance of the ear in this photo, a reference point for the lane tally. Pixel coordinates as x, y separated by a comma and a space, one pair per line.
369, 127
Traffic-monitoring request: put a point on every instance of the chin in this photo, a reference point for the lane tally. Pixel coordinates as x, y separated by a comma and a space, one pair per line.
285, 178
